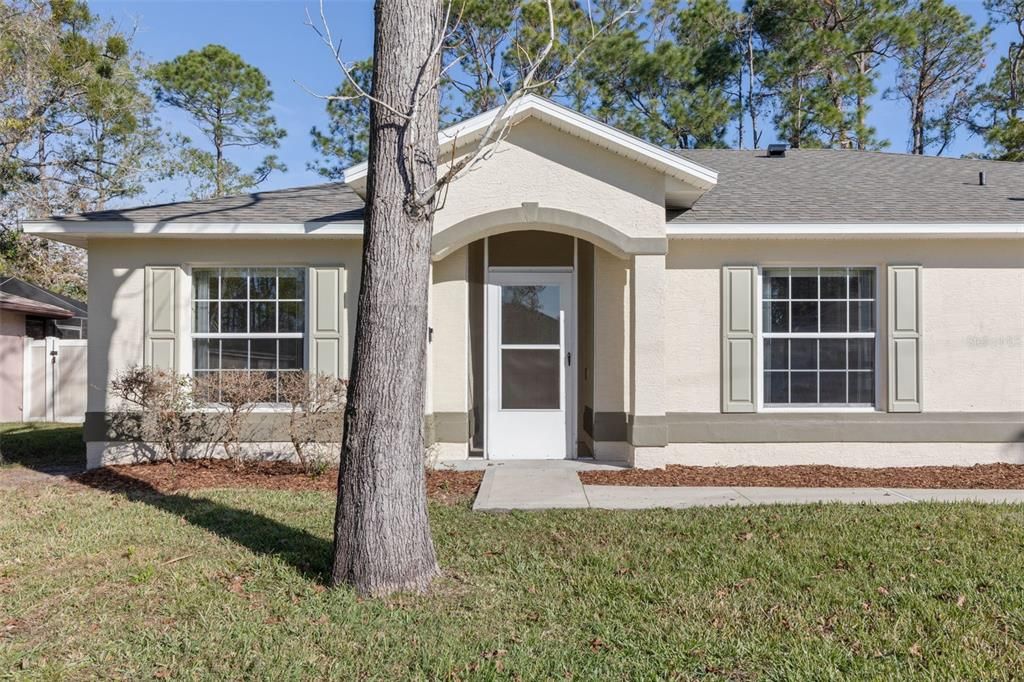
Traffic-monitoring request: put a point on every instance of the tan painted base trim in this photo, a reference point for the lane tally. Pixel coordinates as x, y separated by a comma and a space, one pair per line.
852, 427
816, 427
450, 427
273, 427
257, 427
644, 431
609, 426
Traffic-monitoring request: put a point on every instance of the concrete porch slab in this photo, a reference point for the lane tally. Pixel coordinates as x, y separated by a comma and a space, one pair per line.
505, 488
480, 464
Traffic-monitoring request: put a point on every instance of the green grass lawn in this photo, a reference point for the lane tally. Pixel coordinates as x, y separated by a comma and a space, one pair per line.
229, 585
39, 444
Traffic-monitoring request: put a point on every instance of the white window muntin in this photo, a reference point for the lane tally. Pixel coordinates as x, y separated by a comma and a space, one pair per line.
866, 303
249, 299
298, 300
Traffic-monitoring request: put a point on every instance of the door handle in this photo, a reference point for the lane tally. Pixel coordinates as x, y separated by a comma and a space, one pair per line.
568, 359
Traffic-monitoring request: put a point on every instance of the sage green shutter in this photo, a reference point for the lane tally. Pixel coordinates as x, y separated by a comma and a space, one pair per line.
904, 304
162, 323
739, 338
327, 321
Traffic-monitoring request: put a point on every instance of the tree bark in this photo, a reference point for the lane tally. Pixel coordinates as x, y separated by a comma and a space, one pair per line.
755, 137
218, 165
382, 541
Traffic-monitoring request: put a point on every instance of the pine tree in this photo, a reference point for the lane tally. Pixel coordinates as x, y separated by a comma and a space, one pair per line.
347, 136
76, 131
822, 65
997, 105
229, 101
937, 70
666, 76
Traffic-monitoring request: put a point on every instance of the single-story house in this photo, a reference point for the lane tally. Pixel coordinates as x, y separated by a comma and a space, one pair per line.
33, 321
596, 295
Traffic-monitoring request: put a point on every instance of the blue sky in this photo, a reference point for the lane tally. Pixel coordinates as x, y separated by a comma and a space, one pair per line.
271, 35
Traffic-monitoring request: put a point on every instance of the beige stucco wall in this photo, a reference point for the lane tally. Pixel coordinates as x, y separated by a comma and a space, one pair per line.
611, 332
448, 389
538, 163
116, 272
12, 363
972, 302
116, 283
972, 314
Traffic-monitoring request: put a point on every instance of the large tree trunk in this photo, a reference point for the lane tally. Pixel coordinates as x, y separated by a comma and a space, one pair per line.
755, 137
917, 124
382, 541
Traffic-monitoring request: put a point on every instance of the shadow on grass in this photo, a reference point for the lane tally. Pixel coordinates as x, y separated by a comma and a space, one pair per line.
42, 446
300, 549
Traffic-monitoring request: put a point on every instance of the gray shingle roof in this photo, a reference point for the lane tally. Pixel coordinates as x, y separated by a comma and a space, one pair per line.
26, 305
834, 186
806, 186
331, 202
18, 287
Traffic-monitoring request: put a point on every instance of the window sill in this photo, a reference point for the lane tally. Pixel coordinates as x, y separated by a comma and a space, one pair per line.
267, 409
810, 410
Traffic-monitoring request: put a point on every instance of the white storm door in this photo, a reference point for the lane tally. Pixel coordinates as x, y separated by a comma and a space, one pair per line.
529, 378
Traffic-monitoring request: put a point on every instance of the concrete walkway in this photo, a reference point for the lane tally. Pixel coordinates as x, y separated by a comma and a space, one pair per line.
555, 485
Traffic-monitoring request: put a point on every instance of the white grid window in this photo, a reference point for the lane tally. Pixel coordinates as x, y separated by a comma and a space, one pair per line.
251, 319
818, 336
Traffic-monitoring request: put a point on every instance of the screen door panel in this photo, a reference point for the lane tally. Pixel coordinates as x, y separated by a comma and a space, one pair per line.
529, 329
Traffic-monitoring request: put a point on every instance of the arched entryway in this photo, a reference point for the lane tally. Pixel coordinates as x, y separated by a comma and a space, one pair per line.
533, 396
531, 301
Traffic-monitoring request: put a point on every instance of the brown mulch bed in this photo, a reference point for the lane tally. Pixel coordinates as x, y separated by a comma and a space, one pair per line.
979, 476
446, 487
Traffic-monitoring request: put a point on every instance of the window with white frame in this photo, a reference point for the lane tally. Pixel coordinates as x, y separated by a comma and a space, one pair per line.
250, 319
818, 336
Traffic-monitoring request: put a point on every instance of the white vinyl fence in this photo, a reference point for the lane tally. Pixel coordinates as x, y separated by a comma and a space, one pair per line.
54, 380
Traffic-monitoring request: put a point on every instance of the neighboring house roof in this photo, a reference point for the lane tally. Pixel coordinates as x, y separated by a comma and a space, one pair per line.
842, 186
21, 289
28, 306
327, 203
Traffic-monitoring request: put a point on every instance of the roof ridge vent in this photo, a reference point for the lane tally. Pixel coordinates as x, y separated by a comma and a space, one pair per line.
778, 149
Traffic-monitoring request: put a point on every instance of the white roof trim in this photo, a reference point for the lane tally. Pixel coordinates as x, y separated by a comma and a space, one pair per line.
709, 230
125, 227
612, 138
79, 231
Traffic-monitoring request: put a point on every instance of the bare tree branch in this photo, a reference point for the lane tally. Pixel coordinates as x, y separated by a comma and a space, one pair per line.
501, 123
489, 141
327, 39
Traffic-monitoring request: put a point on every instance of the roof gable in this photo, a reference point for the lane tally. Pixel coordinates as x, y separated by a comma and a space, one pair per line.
574, 123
